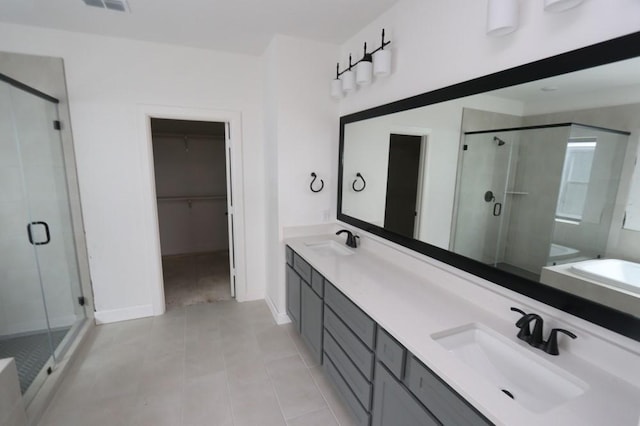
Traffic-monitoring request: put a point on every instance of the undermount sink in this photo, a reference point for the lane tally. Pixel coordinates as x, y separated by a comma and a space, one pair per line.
329, 248
521, 375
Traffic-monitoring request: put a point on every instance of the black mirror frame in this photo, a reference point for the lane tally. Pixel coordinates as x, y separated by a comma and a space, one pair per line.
618, 49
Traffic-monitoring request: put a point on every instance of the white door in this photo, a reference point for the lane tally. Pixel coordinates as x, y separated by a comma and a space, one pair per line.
230, 212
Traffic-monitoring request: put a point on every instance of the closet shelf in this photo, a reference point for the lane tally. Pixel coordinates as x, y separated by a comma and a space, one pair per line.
193, 198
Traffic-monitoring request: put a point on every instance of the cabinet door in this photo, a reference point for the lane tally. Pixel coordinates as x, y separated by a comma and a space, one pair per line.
293, 297
442, 401
394, 405
311, 321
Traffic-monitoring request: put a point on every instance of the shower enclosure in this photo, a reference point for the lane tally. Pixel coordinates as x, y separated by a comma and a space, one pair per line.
536, 196
40, 294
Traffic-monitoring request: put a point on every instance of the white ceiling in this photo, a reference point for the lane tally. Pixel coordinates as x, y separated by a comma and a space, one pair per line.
598, 79
242, 26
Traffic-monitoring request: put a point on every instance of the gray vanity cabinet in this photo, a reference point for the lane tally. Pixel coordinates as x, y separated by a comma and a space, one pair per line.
381, 382
349, 352
311, 321
305, 287
293, 282
395, 405
442, 401
411, 394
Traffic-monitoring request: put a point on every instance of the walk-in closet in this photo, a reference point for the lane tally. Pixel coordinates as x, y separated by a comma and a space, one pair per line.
191, 189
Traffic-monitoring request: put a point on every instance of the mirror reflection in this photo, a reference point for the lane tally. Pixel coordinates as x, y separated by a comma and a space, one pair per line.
536, 179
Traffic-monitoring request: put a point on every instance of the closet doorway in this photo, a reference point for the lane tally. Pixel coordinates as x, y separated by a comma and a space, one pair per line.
192, 187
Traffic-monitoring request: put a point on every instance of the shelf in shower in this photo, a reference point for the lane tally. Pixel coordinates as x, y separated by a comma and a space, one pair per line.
517, 193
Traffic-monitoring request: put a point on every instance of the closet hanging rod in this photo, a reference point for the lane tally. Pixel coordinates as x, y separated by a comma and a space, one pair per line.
194, 198
187, 135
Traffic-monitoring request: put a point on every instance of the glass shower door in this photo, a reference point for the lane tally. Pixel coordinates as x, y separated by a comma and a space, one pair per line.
481, 191
24, 328
44, 228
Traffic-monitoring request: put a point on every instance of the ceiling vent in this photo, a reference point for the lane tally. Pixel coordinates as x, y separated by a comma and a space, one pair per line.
118, 5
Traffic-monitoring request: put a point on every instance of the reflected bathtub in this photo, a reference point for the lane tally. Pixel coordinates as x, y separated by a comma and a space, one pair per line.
614, 272
557, 250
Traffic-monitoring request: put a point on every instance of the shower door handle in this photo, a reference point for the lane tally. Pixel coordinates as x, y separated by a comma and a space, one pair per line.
46, 231
497, 209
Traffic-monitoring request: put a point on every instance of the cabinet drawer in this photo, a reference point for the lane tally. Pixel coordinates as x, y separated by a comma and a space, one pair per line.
361, 416
317, 282
394, 405
391, 353
288, 255
361, 356
354, 317
439, 398
350, 373
302, 267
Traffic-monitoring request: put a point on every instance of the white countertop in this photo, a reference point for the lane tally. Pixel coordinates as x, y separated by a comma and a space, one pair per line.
412, 308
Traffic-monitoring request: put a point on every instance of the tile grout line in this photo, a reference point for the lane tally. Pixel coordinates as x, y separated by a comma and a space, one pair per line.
308, 367
226, 376
333, 413
304, 361
273, 386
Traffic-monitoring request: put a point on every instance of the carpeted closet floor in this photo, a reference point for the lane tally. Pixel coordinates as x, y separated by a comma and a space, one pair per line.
196, 278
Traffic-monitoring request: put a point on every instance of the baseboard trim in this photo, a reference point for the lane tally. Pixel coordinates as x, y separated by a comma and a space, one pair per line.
124, 314
279, 317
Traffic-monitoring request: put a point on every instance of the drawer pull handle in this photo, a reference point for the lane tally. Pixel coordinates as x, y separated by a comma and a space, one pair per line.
420, 385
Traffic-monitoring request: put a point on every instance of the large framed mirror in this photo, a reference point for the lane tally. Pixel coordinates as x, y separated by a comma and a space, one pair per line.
526, 178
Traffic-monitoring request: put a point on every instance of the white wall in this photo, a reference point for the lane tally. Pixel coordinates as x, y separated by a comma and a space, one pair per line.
366, 151
301, 137
439, 43
197, 169
108, 81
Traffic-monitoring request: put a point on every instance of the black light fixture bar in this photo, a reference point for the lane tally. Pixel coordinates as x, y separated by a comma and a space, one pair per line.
383, 44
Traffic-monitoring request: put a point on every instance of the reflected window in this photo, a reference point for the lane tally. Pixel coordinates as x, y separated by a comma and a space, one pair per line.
575, 178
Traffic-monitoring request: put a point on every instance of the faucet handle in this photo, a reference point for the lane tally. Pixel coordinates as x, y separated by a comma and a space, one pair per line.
551, 345
523, 325
518, 310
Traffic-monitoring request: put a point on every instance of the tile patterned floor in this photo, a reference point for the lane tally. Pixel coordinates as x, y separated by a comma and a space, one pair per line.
196, 278
222, 363
31, 352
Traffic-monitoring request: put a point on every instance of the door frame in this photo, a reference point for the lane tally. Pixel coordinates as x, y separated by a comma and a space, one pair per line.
233, 136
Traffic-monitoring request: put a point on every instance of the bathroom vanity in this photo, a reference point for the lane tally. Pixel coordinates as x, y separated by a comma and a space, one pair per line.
397, 340
416, 326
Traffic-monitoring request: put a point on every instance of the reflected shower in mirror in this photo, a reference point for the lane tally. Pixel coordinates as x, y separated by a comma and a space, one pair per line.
553, 189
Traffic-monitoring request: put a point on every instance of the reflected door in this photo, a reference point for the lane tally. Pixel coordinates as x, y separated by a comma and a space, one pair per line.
482, 194
402, 184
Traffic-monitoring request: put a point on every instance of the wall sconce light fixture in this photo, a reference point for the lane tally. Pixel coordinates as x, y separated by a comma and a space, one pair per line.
502, 17
377, 62
364, 69
560, 5
348, 78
